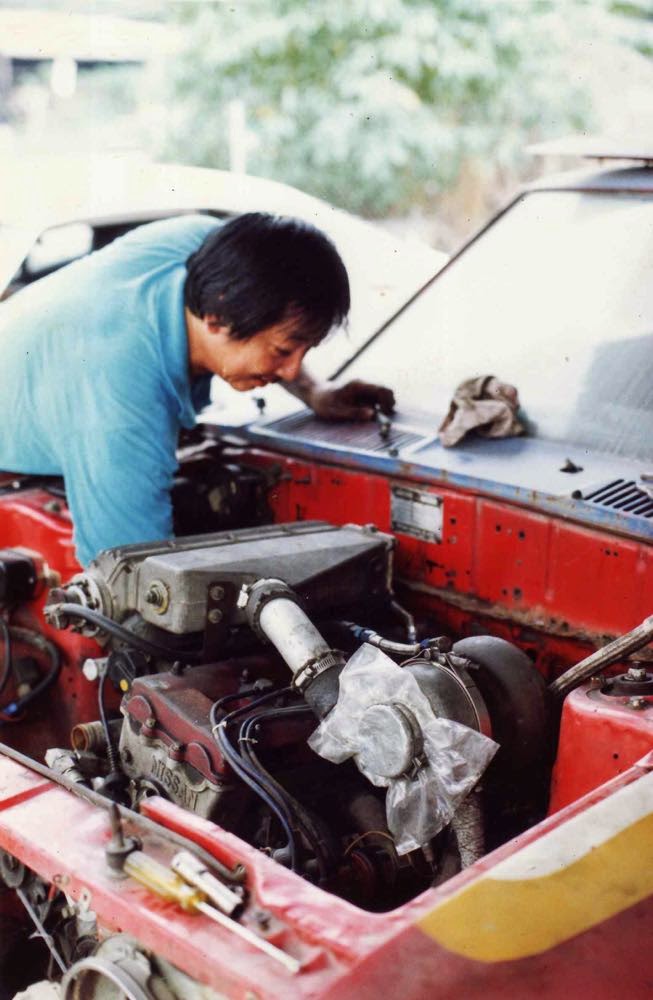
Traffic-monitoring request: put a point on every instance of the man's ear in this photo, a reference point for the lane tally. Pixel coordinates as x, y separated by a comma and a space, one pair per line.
214, 324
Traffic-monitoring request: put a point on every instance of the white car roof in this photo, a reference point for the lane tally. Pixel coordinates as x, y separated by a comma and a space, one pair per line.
38, 193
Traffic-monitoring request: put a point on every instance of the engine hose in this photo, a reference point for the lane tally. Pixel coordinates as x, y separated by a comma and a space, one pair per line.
228, 698
111, 751
37, 641
125, 635
235, 876
268, 696
258, 785
407, 618
248, 773
616, 650
467, 825
362, 634
316, 834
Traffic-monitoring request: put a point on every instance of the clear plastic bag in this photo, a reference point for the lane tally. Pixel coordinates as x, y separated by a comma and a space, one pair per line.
422, 801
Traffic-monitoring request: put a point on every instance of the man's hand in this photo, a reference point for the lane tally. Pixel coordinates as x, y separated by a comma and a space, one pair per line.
354, 401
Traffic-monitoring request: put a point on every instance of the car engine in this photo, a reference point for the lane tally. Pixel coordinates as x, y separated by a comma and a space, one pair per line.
267, 679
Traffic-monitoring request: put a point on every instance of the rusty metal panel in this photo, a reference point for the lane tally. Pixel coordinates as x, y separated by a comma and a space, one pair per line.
511, 556
597, 579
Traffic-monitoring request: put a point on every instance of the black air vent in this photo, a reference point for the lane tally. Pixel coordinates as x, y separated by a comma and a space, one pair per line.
623, 495
348, 437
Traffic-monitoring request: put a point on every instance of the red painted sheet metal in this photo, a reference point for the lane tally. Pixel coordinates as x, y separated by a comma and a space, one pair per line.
514, 560
605, 581
550, 654
39, 522
601, 736
505, 571
36, 520
517, 559
319, 918
605, 962
70, 852
346, 952
571, 577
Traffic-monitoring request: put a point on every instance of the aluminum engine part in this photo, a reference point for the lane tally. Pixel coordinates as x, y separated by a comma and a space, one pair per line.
190, 584
273, 612
152, 762
390, 740
119, 968
166, 743
387, 725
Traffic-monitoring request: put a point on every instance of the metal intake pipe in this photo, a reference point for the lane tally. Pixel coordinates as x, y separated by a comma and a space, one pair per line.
273, 612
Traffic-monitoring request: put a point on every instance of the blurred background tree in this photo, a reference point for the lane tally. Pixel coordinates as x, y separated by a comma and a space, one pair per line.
416, 112
376, 105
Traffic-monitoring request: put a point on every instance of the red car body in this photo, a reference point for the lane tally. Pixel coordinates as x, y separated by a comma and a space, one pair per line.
563, 906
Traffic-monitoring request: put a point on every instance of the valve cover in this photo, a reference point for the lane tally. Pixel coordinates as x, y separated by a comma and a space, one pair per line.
178, 585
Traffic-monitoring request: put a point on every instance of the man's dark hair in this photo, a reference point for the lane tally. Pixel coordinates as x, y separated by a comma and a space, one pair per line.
260, 269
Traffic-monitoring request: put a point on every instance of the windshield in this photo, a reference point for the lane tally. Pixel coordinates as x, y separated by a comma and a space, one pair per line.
14, 244
556, 298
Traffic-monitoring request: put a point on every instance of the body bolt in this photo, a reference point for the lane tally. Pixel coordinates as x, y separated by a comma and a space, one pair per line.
157, 596
216, 592
215, 616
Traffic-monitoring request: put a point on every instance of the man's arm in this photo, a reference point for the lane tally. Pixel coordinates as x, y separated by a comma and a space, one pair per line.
356, 400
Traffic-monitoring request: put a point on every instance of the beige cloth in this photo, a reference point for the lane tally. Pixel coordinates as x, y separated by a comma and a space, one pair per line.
40, 991
485, 405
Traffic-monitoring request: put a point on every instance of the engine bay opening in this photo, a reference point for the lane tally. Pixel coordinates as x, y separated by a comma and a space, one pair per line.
267, 679
295, 685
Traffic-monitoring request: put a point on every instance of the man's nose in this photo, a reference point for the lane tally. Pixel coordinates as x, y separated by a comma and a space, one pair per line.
289, 369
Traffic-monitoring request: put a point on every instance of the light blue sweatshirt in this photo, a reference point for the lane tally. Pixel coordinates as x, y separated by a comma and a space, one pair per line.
95, 385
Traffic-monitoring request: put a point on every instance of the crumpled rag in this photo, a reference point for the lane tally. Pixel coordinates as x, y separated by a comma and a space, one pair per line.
485, 405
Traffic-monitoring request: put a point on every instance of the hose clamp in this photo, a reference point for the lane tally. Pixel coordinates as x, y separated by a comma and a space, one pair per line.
313, 668
254, 598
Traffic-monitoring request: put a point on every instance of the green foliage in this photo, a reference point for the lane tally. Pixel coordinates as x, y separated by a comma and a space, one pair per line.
638, 14
633, 8
372, 104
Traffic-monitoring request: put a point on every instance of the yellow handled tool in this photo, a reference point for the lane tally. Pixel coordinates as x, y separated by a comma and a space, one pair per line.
174, 888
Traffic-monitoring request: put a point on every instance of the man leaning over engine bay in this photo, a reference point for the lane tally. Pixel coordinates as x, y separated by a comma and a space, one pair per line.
105, 360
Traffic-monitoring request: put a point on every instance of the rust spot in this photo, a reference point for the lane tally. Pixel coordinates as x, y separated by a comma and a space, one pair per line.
431, 565
519, 617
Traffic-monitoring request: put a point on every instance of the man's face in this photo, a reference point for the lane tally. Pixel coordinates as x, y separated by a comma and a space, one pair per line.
274, 354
